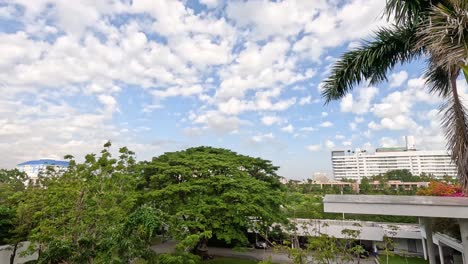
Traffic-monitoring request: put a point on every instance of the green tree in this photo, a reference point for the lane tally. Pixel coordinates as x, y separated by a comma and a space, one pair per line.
365, 186
399, 175
436, 29
12, 190
91, 213
214, 192
388, 241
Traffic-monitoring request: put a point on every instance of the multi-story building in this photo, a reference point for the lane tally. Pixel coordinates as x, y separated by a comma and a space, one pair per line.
358, 164
34, 167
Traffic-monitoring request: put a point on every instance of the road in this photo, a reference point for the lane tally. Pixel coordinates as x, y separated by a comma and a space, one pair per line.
257, 254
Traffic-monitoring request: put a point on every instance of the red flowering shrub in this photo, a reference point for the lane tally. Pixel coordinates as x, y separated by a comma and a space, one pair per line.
441, 189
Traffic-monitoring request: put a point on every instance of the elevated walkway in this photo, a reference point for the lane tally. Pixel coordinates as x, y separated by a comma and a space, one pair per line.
424, 207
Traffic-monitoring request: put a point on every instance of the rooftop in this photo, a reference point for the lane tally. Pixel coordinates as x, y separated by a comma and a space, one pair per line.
47, 162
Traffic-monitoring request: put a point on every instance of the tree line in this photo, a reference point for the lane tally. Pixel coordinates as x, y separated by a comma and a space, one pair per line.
109, 209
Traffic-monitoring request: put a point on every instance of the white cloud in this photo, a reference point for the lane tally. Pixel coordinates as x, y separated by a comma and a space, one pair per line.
305, 100
347, 143
262, 137
363, 102
151, 107
178, 91
326, 124
210, 3
329, 144
339, 136
397, 79
324, 114
358, 119
308, 129
314, 147
289, 128
262, 102
270, 18
109, 103
398, 122
395, 111
218, 122
388, 142
271, 120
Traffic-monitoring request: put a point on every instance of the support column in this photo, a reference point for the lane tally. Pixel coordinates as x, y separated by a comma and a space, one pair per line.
464, 235
374, 248
441, 253
424, 248
427, 223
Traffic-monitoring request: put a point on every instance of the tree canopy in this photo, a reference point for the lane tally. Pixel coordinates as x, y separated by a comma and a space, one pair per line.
91, 213
214, 192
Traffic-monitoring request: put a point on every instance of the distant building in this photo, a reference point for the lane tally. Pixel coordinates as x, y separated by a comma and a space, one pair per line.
320, 176
34, 167
398, 185
358, 164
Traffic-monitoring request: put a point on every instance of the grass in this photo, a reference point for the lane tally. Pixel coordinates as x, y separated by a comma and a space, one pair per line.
402, 260
220, 260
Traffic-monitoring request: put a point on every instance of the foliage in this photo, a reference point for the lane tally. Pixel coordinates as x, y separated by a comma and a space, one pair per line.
402, 175
214, 192
441, 189
365, 186
325, 249
91, 213
389, 243
12, 226
178, 258
298, 205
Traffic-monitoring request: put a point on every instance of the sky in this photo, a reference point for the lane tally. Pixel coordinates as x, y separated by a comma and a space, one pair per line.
159, 76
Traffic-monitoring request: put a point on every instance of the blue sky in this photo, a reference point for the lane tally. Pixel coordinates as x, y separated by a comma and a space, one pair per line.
161, 76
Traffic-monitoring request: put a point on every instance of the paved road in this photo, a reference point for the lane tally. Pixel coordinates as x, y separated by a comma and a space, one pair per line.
257, 254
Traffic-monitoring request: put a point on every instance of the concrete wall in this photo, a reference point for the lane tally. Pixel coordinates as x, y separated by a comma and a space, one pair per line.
401, 247
6, 251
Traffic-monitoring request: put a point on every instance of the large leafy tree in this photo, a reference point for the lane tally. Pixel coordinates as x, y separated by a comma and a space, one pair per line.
91, 213
213, 192
436, 30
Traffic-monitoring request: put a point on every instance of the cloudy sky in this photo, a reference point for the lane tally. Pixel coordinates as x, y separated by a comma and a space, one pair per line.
165, 75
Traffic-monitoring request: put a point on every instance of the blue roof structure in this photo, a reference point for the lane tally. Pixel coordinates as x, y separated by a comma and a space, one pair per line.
46, 162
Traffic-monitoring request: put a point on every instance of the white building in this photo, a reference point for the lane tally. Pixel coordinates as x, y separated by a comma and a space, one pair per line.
358, 164
34, 167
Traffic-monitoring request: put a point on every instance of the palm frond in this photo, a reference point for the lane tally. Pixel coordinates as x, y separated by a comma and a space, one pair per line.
444, 34
455, 123
406, 12
437, 79
371, 61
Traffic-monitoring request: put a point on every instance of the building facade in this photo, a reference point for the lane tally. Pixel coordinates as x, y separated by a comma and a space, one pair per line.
358, 164
34, 167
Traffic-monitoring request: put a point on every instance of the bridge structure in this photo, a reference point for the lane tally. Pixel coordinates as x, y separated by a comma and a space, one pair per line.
426, 208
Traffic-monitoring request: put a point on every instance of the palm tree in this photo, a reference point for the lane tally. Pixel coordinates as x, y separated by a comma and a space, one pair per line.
436, 30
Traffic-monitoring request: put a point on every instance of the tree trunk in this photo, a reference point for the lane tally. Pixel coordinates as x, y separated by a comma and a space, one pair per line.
13, 254
202, 248
460, 136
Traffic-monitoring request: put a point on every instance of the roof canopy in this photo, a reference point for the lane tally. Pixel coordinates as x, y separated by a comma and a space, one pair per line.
423, 206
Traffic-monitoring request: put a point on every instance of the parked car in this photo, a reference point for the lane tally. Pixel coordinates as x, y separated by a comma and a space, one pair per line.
261, 245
